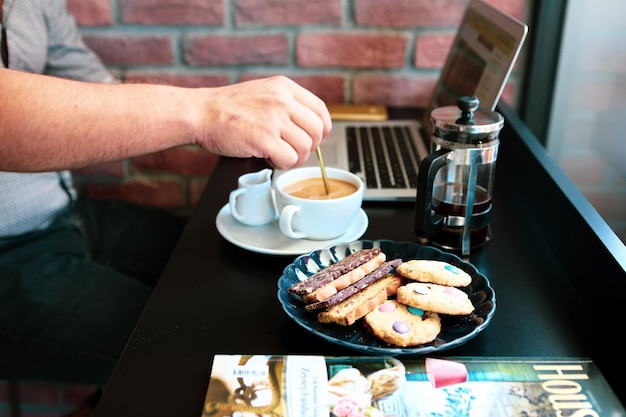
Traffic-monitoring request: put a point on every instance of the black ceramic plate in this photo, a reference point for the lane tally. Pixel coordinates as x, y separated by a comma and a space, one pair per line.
455, 331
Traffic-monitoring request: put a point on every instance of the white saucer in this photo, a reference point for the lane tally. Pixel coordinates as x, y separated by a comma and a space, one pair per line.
269, 239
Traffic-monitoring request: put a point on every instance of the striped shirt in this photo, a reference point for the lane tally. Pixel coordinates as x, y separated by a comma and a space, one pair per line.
42, 38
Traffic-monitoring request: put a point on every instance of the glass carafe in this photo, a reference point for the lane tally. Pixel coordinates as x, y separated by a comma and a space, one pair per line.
455, 181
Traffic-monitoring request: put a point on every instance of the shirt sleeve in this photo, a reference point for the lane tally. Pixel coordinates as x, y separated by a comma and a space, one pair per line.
68, 55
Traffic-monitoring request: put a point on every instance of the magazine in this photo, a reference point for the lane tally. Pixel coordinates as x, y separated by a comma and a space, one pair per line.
363, 386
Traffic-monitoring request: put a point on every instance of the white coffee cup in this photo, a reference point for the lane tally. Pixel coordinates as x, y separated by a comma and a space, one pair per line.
252, 202
316, 218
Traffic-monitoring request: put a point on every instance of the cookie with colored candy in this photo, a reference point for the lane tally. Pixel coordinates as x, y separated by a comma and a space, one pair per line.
437, 298
356, 306
402, 325
437, 272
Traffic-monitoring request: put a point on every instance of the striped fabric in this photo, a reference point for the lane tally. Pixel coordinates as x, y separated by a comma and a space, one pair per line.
42, 38
3, 41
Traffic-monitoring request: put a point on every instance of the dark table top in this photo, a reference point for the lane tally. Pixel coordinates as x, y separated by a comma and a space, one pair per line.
215, 297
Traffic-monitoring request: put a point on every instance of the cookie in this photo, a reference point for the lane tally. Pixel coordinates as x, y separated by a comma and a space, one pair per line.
331, 272
437, 272
352, 289
356, 306
402, 325
344, 280
437, 298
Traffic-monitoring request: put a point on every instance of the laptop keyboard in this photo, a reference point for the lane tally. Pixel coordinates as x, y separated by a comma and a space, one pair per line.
385, 155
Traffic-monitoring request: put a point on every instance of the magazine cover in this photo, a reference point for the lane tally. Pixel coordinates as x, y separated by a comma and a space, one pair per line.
361, 386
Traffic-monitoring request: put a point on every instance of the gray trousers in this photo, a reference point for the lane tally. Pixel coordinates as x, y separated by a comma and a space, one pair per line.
71, 295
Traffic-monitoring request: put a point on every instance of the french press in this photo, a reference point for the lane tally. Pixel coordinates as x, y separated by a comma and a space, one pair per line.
455, 181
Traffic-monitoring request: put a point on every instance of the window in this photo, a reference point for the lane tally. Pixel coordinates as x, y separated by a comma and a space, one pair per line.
576, 98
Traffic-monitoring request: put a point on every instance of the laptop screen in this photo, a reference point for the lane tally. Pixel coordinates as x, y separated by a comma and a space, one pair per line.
486, 45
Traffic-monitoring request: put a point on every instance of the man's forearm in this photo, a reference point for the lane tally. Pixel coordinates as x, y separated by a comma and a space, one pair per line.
49, 124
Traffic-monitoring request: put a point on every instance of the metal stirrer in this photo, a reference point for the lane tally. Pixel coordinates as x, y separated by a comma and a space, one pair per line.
321, 162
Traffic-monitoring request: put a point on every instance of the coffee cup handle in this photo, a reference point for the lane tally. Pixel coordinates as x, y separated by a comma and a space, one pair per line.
427, 223
285, 221
232, 202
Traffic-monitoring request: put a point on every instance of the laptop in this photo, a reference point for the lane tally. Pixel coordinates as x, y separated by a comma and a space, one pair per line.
386, 153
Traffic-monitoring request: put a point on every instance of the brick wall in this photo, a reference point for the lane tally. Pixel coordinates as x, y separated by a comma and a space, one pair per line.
41, 398
354, 51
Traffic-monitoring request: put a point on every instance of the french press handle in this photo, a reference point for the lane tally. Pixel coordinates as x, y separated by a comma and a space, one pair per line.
427, 222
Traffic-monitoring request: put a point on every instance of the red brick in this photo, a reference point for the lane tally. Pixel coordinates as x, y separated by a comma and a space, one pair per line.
196, 187
39, 393
593, 94
166, 194
188, 160
254, 76
287, 12
191, 12
236, 50
394, 91
126, 50
91, 12
516, 8
583, 170
331, 88
609, 203
508, 94
351, 50
108, 169
181, 80
578, 133
4, 392
432, 50
406, 13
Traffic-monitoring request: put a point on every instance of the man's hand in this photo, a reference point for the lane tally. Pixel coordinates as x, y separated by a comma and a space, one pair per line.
272, 118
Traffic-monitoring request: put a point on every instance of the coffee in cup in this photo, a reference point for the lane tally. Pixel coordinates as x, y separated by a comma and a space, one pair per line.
315, 189
306, 211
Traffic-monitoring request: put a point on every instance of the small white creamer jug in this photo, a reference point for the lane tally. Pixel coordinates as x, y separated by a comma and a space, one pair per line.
252, 203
